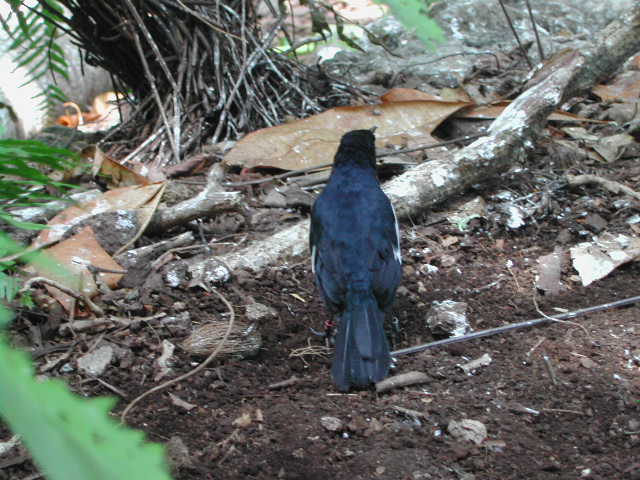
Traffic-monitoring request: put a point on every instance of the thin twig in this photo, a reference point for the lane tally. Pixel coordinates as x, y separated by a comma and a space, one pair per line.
156, 95
515, 34
245, 67
294, 173
63, 288
535, 31
514, 326
200, 367
551, 319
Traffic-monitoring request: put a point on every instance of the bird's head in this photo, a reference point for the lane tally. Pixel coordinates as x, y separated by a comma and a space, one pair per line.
357, 146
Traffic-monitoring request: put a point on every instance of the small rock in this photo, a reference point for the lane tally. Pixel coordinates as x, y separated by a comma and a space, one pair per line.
595, 222
275, 199
469, 430
564, 236
448, 318
587, 363
402, 291
96, 361
483, 361
243, 421
357, 425
549, 270
332, 424
179, 306
257, 311
375, 426
177, 454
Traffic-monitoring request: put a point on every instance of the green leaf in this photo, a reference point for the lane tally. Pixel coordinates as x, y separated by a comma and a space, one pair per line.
71, 438
9, 287
412, 14
11, 220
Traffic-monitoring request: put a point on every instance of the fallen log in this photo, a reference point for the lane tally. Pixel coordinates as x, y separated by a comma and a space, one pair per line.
509, 139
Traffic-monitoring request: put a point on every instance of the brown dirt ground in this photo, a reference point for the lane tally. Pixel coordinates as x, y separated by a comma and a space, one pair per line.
586, 425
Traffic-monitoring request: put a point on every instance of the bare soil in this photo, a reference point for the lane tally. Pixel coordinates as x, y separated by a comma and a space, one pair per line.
581, 421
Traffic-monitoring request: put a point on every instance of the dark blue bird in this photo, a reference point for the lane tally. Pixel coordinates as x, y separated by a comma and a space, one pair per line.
355, 255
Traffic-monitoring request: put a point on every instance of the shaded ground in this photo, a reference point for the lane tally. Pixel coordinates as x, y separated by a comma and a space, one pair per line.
585, 425
582, 421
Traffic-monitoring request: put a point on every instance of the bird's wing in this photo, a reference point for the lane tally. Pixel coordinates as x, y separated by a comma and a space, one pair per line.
325, 261
387, 263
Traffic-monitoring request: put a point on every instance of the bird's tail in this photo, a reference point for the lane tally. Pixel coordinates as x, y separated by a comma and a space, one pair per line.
361, 350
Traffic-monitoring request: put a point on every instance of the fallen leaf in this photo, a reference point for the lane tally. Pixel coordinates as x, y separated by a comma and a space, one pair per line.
595, 260
612, 147
469, 430
117, 175
625, 87
313, 141
549, 269
125, 198
72, 257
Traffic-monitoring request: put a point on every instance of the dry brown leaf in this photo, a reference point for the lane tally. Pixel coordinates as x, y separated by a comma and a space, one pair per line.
625, 88
117, 175
72, 257
312, 141
125, 198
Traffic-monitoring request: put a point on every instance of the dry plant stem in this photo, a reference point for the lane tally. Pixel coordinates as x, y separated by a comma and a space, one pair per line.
402, 380
143, 145
241, 78
78, 296
551, 319
156, 95
610, 185
550, 371
294, 173
82, 325
514, 326
285, 383
199, 368
535, 31
515, 34
408, 412
561, 410
509, 139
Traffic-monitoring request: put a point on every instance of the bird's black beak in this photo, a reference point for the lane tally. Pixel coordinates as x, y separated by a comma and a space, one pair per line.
373, 129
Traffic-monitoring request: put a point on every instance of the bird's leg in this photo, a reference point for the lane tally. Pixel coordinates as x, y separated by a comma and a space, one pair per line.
329, 331
327, 334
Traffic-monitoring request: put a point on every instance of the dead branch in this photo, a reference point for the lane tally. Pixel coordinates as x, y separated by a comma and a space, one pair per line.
402, 380
613, 187
210, 201
511, 136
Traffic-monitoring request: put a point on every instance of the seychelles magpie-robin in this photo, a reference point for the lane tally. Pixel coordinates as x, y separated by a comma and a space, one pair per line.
355, 256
